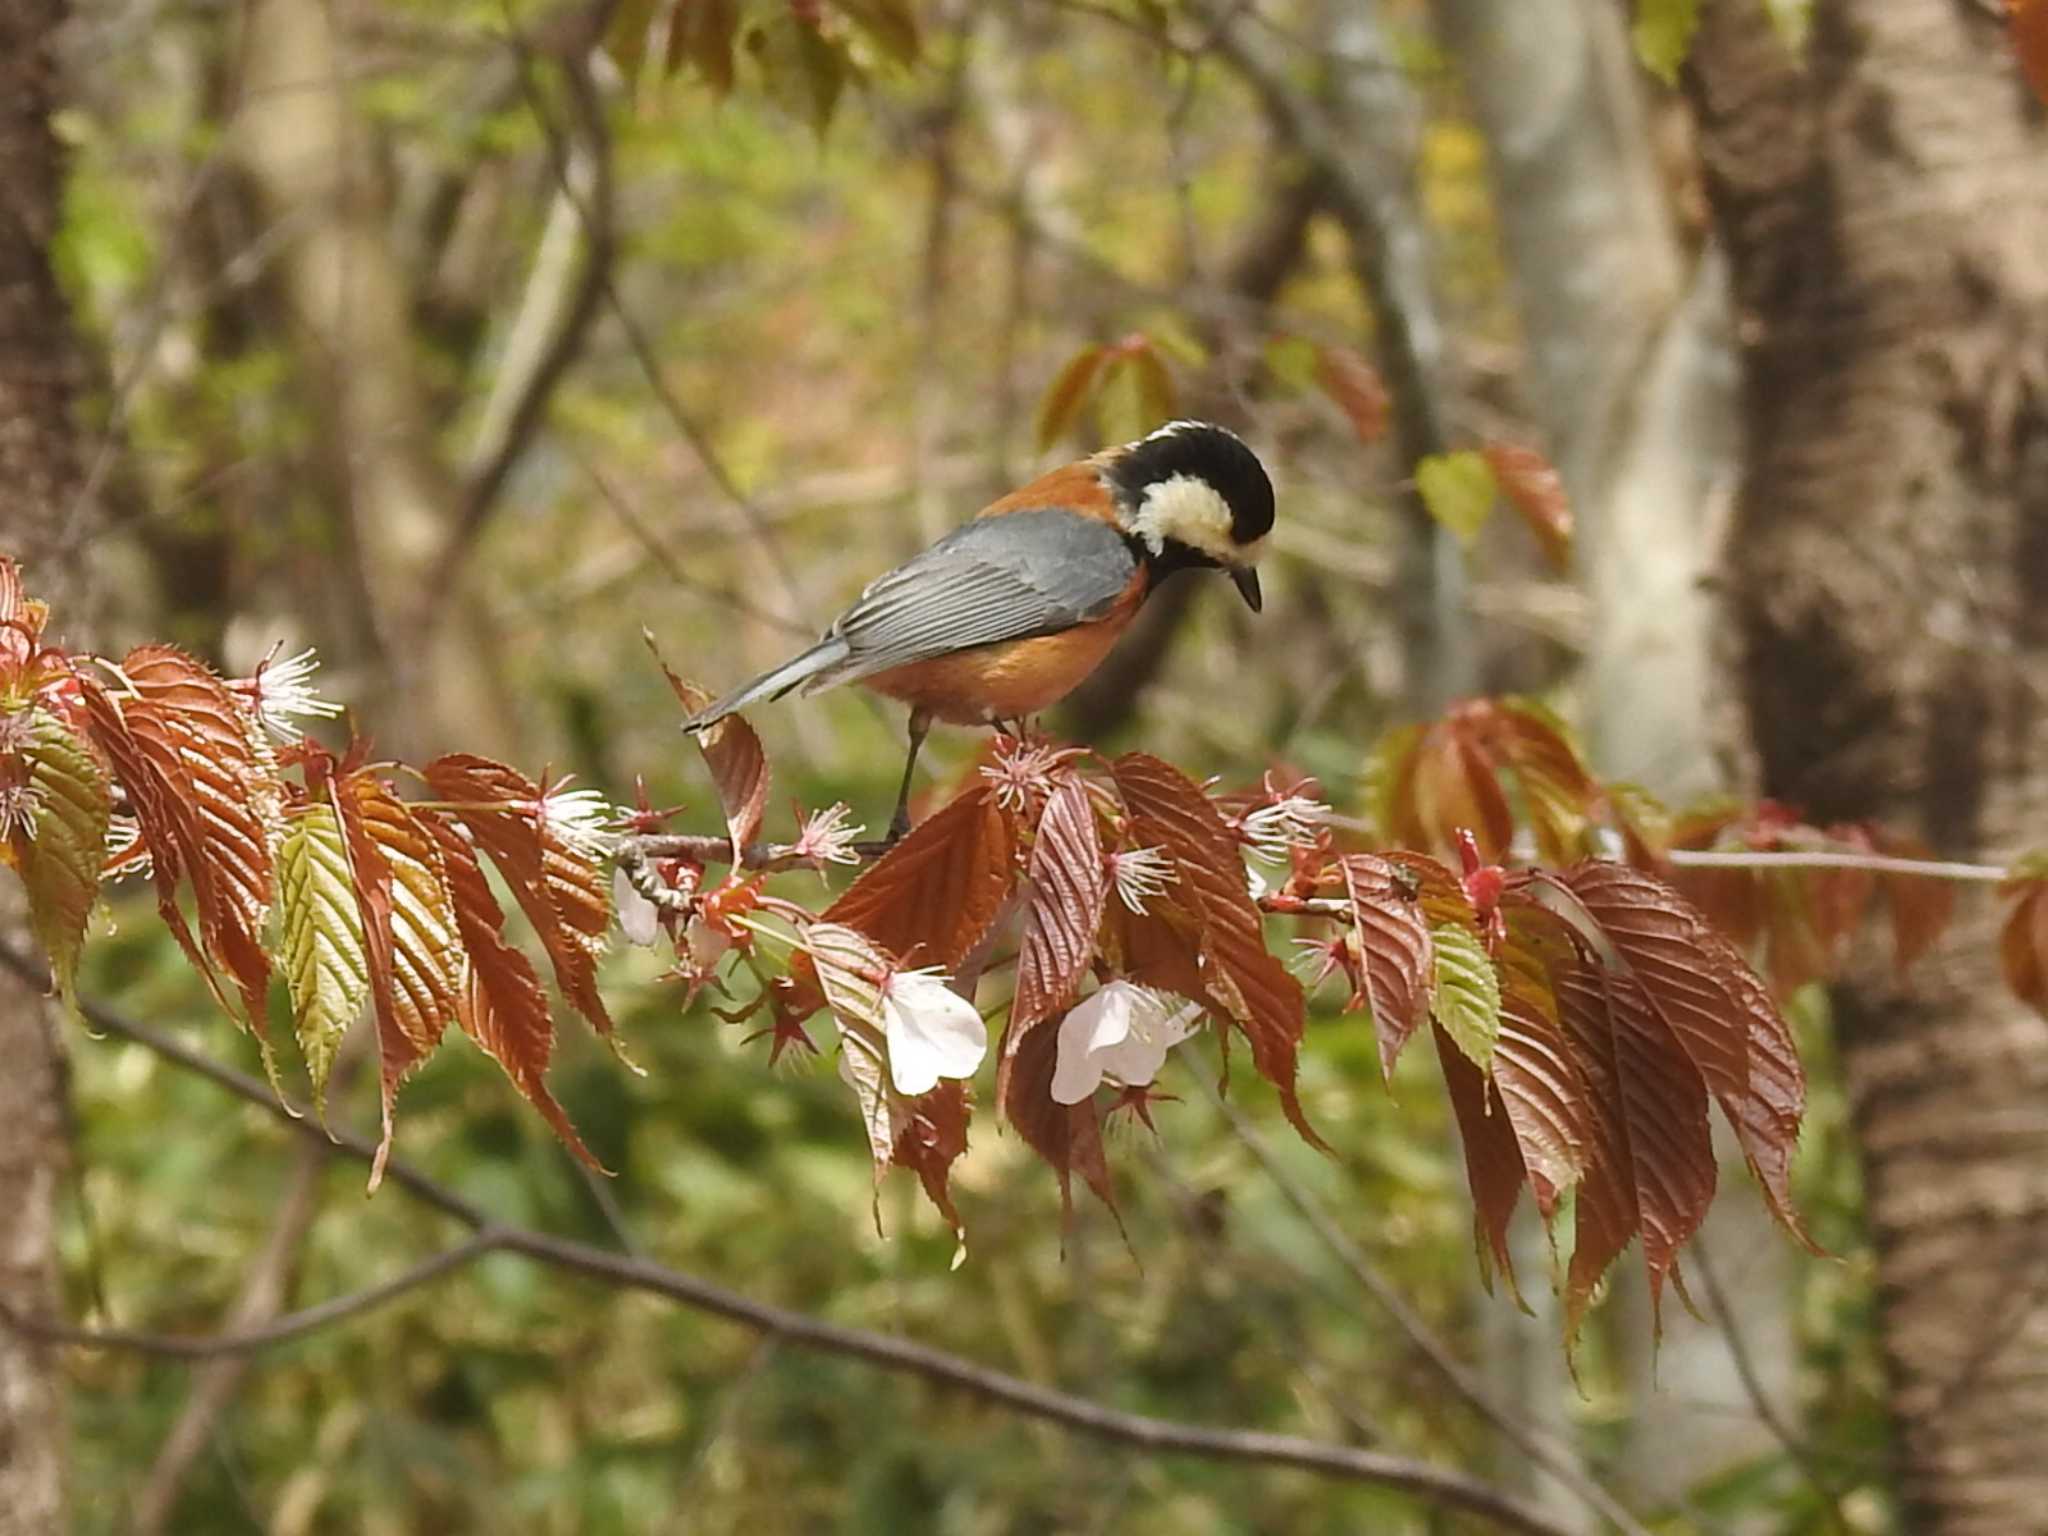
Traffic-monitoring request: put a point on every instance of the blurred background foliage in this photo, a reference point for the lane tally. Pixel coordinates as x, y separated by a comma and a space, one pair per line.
829, 296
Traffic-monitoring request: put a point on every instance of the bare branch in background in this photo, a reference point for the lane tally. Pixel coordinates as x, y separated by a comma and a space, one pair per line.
562, 298
1360, 137
1434, 1485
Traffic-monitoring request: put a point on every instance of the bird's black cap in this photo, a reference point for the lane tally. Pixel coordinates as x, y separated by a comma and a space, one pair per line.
1209, 453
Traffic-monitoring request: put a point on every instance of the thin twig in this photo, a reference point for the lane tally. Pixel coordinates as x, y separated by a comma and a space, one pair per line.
1439, 1485
1796, 1447
1875, 863
554, 318
280, 1330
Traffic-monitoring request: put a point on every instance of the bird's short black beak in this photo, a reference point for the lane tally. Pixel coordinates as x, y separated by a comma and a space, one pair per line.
1247, 581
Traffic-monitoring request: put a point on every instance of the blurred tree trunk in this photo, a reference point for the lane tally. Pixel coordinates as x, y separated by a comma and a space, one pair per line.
40, 508
1630, 372
1885, 208
352, 330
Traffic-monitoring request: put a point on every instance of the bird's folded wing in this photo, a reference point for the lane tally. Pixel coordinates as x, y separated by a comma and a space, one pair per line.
1001, 578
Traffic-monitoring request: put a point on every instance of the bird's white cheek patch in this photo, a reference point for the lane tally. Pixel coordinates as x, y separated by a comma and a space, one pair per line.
1188, 509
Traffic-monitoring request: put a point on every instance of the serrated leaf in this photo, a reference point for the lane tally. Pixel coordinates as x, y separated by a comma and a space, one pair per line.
561, 890
732, 751
501, 1006
326, 966
1533, 487
1493, 1162
1604, 1210
1243, 980
236, 803
1458, 489
1717, 1008
1466, 1004
931, 1138
1663, 34
149, 765
61, 862
1063, 398
932, 897
1539, 1080
1067, 1136
1671, 1146
1069, 884
1356, 388
1396, 957
409, 933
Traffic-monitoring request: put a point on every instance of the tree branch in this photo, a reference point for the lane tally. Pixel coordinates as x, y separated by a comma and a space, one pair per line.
281, 1330
1437, 1485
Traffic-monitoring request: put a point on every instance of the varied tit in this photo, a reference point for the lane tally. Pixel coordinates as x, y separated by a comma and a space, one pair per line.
1007, 615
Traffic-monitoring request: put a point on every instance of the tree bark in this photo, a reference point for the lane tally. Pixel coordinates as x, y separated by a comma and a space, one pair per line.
1886, 213
40, 512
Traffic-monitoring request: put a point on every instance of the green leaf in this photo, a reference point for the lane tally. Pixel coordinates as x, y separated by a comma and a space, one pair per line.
1467, 1001
1663, 35
1458, 488
326, 966
61, 859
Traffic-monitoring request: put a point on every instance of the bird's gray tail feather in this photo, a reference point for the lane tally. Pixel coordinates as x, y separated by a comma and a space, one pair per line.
820, 658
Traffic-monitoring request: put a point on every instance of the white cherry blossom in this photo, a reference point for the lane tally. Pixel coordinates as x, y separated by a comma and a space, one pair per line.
932, 1031
1121, 1033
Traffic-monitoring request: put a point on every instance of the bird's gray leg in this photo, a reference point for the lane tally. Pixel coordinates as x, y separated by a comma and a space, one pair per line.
920, 723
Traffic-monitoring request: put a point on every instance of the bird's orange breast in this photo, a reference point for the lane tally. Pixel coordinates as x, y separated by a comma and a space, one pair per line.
1013, 678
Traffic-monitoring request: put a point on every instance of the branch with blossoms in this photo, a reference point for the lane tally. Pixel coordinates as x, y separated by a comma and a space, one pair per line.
1577, 956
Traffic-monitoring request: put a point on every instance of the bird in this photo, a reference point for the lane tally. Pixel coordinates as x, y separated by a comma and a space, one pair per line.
1005, 615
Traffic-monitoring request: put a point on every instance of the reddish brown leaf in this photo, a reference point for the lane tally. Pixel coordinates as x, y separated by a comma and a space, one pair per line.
1062, 400
1457, 788
561, 891
1493, 1162
2023, 942
1605, 1213
1244, 981
2029, 22
1067, 1136
932, 1137
1921, 909
1394, 950
239, 801
1534, 488
1160, 947
732, 751
1558, 791
409, 930
1717, 1007
147, 759
931, 898
502, 1006
1069, 885
1539, 1081
1357, 389
1664, 1108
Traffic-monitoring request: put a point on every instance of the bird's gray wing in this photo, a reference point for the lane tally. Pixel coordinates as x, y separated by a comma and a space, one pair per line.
1001, 578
